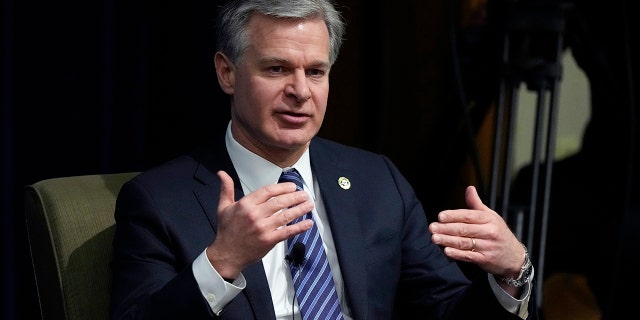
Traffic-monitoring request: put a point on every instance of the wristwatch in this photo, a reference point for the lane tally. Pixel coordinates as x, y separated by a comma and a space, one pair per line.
526, 273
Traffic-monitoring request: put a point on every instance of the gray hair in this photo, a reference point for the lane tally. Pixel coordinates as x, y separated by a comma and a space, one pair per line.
233, 19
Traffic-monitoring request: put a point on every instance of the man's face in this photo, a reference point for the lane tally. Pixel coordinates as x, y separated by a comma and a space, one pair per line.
280, 88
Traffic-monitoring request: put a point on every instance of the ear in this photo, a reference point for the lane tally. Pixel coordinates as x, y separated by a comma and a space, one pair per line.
225, 70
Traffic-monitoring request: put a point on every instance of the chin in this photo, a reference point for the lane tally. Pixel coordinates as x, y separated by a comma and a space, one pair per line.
295, 142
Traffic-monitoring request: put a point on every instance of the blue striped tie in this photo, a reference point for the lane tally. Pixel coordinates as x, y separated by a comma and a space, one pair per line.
314, 287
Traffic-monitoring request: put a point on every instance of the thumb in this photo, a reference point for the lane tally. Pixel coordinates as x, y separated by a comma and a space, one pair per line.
473, 199
226, 190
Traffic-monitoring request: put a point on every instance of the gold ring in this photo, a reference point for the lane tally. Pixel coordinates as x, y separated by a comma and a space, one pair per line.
473, 245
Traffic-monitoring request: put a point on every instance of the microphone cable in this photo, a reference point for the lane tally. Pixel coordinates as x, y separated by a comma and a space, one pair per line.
296, 258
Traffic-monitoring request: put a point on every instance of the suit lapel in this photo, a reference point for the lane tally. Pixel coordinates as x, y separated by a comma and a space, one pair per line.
345, 226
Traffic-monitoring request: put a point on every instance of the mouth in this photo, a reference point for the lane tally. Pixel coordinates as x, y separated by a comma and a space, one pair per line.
294, 118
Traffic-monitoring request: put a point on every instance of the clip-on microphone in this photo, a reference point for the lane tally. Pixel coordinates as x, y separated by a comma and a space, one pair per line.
297, 254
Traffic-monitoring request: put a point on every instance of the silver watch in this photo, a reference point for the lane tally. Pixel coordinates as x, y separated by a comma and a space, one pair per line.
526, 272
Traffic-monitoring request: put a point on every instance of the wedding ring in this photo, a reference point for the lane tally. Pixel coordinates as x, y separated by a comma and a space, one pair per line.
473, 245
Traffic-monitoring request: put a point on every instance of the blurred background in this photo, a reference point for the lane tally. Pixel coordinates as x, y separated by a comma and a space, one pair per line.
111, 86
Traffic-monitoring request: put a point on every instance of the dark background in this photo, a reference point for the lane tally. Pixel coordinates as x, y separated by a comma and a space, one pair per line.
100, 87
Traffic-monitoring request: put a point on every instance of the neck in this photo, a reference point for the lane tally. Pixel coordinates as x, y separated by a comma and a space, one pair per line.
282, 157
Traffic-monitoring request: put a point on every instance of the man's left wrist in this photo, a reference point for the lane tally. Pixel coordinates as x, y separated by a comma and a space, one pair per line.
524, 276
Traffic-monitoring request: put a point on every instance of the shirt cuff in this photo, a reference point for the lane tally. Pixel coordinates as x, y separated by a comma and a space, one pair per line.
519, 306
214, 289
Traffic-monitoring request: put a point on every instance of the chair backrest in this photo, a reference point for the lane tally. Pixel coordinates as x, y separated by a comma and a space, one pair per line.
70, 227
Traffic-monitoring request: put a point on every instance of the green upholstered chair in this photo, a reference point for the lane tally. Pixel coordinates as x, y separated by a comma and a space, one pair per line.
70, 226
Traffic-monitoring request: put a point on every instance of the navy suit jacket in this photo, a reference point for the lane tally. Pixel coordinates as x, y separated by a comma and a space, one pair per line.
166, 217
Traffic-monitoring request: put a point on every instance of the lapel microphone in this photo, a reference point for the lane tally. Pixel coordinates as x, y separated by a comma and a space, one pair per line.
297, 254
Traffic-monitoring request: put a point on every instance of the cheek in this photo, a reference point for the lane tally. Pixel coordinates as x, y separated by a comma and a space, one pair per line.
254, 96
321, 108
262, 91
320, 99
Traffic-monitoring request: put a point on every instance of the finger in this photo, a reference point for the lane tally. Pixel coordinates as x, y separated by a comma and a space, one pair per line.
464, 255
227, 197
270, 192
473, 199
455, 240
459, 248
291, 210
455, 229
459, 216
287, 200
288, 231
475, 214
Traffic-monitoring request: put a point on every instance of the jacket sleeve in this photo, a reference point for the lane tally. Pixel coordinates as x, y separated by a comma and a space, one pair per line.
151, 278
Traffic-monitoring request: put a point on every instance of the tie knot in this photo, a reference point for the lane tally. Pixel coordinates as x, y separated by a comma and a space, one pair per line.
291, 175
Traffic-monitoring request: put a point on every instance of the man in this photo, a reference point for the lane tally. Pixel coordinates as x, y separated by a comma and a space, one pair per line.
205, 235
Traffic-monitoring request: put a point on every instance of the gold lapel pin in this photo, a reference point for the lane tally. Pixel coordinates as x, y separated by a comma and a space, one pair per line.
344, 183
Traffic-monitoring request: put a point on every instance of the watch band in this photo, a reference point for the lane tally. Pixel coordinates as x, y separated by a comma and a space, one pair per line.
526, 272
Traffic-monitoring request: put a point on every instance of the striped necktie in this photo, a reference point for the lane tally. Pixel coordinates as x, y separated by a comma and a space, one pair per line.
312, 279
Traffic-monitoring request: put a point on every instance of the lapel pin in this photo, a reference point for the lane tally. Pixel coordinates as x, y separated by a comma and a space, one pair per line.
344, 183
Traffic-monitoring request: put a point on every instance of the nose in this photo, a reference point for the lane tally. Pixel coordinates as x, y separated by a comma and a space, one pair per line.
298, 87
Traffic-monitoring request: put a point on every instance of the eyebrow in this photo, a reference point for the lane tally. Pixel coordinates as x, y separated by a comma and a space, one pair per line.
274, 60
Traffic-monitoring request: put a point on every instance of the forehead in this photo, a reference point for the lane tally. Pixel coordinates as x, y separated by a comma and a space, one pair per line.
297, 34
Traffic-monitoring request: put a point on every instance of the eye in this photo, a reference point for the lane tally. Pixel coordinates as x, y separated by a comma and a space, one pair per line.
316, 73
276, 69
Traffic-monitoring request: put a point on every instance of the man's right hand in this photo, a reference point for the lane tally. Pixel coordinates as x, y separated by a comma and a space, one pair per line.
249, 228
